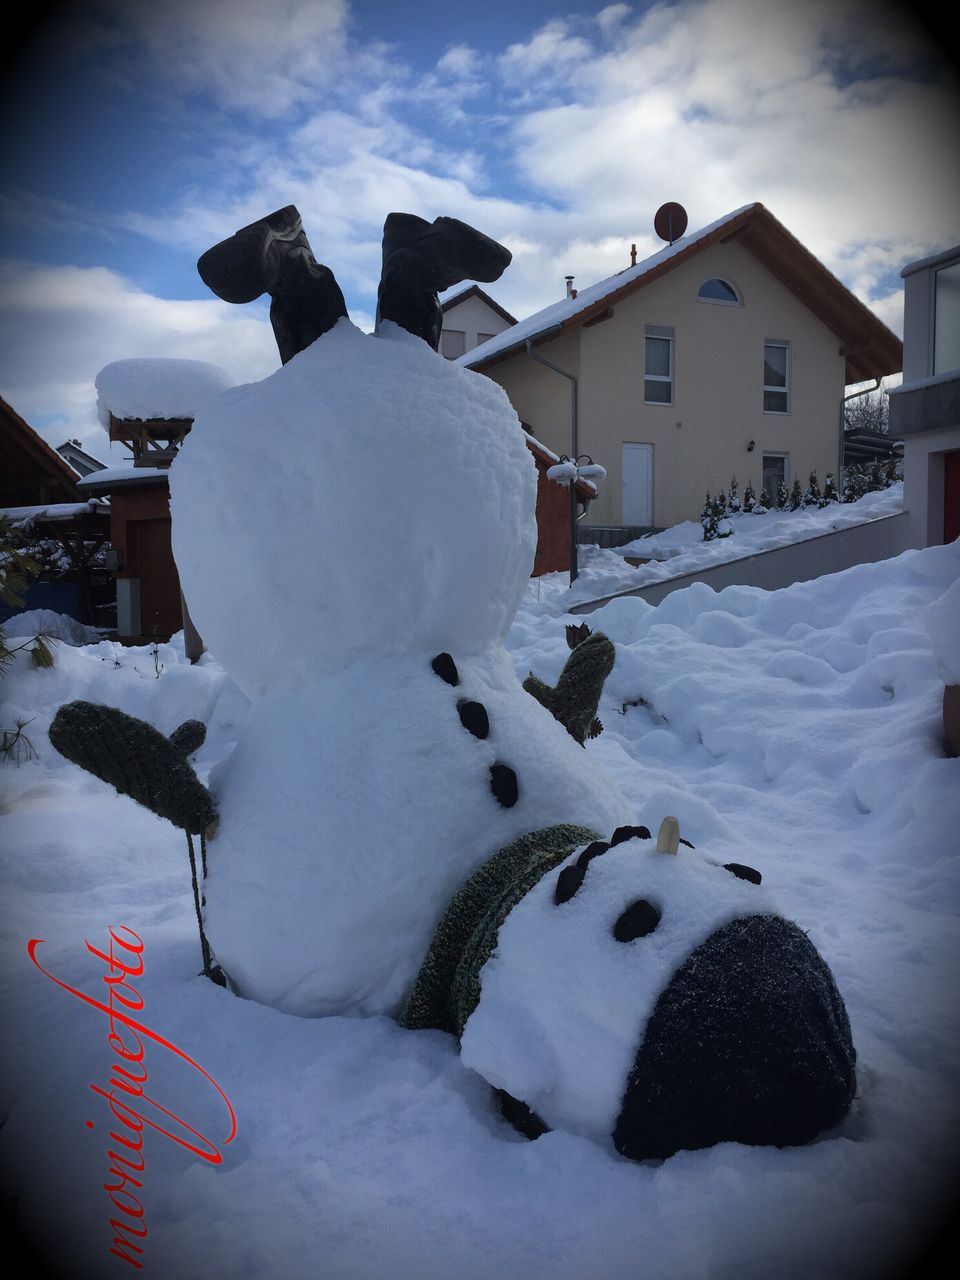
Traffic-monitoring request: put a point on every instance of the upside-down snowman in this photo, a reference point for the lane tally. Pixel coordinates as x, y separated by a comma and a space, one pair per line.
353, 535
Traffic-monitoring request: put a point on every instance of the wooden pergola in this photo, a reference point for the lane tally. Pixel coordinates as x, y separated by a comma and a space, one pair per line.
81, 529
152, 441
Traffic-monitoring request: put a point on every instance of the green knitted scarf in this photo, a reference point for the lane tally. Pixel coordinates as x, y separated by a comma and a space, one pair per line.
447, 987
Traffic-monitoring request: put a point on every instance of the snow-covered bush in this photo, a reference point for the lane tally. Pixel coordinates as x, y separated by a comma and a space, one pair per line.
812, 494
870, 477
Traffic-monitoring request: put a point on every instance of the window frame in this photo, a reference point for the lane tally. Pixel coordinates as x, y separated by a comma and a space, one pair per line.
775, 453
453, 333
946, 316
769, 388
735, 301
660, 333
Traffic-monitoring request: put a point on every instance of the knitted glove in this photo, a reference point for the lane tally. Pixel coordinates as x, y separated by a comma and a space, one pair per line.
138, 760
575, 697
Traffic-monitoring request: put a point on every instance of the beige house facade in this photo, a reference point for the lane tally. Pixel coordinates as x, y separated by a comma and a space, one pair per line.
725, 354
470, 318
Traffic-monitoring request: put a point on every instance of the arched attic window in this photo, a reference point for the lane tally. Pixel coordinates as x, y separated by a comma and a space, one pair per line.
717, 290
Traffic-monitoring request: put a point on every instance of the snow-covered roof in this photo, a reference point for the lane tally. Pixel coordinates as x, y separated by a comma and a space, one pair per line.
558, 313
52, 512
873, 350
154, 388
117, 477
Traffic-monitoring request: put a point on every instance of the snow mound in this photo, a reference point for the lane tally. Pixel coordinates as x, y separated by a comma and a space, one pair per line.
58, 625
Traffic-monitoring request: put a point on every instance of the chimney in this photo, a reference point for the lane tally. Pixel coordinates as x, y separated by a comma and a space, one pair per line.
571, 291
633, 255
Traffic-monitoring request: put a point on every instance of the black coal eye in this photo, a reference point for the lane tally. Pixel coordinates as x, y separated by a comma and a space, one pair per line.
639, 919
568, 882
742, 872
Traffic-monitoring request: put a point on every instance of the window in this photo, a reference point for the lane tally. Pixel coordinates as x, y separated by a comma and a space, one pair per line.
484, 337
946, 321
776, 471
776, 377
453, 343
717, 290
658, 365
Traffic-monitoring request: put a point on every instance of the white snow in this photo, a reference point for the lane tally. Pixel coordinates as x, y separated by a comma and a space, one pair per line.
52, 511
125, 474
680, 549
145, 388
404, 529
59, 626
390, 449
943, 624
797, 731
563, 1002
336, 526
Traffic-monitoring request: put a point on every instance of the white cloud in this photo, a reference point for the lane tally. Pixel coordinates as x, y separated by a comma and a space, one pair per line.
547, 60
60, 325
721, 103
269, 58
816, 109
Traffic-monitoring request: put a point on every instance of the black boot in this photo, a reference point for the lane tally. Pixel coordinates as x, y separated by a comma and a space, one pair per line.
420, 259
274, 256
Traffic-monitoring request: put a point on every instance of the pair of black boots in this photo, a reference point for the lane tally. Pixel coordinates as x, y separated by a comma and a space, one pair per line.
420, 259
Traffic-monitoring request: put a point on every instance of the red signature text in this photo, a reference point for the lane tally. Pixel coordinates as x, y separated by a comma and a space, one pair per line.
126, 1093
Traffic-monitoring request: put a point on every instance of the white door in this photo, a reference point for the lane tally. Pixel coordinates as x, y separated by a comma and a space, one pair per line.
637, 506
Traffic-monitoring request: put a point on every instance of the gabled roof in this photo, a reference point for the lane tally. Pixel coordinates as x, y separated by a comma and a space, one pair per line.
73, 454
869, 347
474, 291
30, 470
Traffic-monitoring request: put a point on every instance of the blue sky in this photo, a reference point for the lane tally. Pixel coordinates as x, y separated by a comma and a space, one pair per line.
138, 133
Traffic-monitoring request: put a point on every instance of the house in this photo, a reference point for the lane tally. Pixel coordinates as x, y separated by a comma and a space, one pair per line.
470, 318
40, 495
30, 471
725, 353
925, 408
78, 458
149, 405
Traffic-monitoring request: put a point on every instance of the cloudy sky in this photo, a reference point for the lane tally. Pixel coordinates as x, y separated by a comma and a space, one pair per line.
140, 132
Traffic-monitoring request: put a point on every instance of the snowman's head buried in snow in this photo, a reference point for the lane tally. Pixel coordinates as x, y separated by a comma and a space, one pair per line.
660, 1000
369, 497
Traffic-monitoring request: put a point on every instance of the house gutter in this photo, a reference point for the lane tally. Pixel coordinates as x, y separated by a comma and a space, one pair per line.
574, 442
854, 395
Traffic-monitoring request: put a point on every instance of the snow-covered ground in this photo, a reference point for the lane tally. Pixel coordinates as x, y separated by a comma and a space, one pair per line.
796, 731
681, 549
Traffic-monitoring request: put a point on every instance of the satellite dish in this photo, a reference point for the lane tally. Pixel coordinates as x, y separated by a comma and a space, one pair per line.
670, 221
